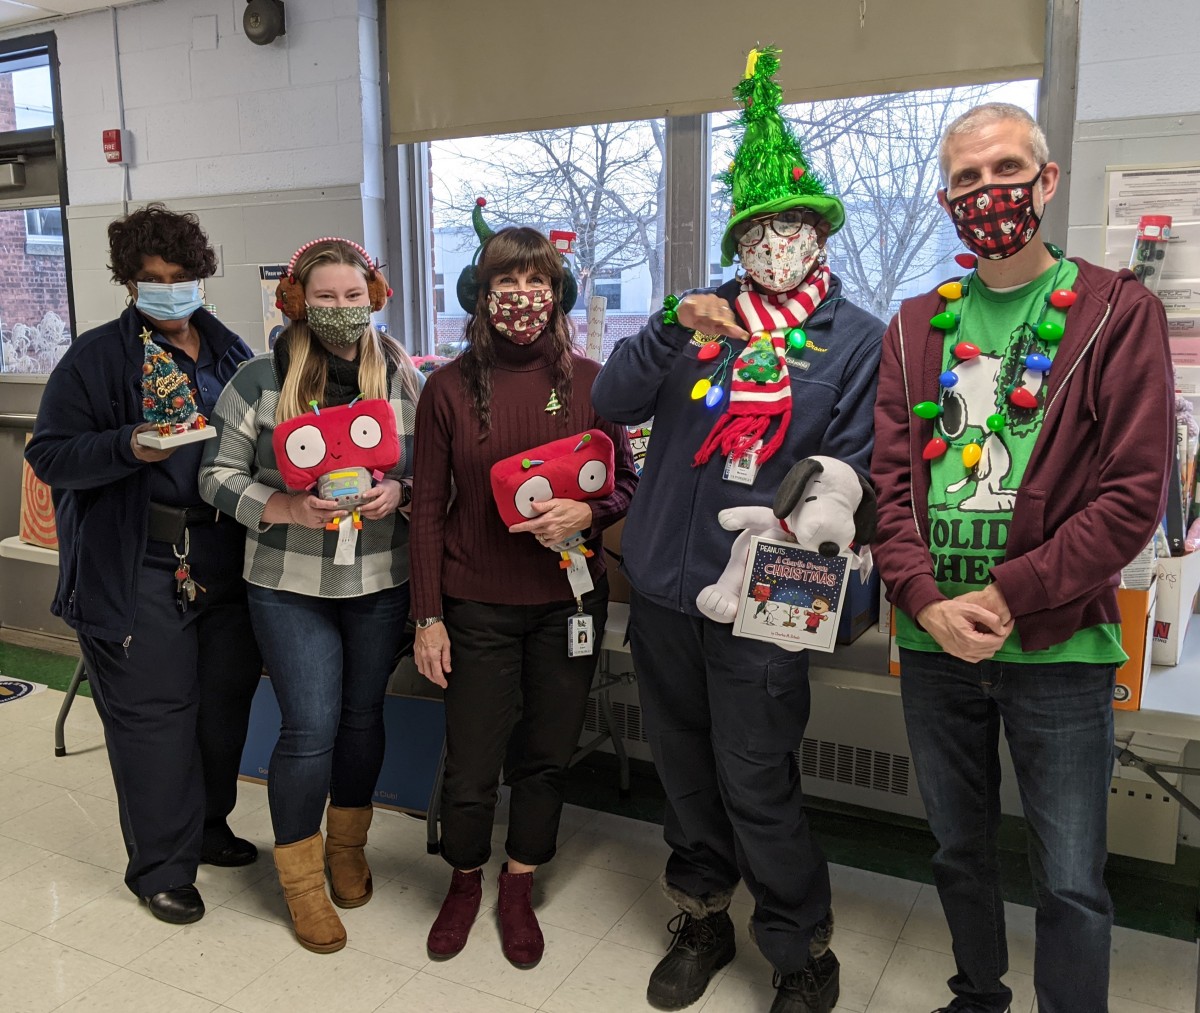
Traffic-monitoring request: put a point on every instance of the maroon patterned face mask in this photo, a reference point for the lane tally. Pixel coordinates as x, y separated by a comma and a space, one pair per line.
996, 221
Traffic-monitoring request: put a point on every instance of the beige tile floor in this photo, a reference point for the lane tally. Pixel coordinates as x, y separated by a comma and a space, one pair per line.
73, 939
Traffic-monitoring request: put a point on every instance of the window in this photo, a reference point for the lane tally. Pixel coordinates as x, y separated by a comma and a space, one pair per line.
35, 315
603, 182
43, 231
611, 291
439, 292
879, 154
35, 325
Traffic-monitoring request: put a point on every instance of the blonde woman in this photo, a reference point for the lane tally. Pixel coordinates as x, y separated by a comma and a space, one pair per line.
330, 630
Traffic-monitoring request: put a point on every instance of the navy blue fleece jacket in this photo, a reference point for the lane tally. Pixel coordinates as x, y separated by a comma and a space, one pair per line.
81, 449
672, 544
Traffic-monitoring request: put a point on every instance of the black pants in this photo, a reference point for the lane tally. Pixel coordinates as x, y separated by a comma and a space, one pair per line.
175, 706
723, 715
514, 699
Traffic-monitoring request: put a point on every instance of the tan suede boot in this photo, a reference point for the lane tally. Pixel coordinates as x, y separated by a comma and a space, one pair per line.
301, 868
345, 836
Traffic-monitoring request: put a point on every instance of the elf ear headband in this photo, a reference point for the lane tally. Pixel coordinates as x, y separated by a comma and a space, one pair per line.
289, 293
467, 288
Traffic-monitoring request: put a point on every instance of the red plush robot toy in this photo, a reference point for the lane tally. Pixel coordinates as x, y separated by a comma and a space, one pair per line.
577, 467
338, 451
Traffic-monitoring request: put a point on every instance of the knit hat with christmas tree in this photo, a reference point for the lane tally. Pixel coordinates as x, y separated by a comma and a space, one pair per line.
769, 172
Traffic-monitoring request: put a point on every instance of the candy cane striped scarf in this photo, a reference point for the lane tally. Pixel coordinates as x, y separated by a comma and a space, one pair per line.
754, 399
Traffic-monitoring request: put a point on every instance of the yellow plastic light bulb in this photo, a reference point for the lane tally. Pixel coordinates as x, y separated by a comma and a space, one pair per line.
951, 290
700, 388
971, 454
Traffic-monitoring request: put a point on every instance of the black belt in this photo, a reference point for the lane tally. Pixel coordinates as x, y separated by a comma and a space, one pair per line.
168, 523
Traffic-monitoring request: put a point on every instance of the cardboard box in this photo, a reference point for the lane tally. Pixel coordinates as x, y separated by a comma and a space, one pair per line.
416, 729
860, 607
1137, 619
37, 510
1178, 583
1137, 624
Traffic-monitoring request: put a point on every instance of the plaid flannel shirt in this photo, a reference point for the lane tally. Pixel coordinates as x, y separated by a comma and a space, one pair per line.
239, 475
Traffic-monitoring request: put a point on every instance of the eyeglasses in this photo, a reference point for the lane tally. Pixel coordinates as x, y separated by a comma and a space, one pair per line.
786, 224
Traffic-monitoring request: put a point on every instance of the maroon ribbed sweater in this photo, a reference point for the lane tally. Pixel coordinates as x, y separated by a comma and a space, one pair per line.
466, 551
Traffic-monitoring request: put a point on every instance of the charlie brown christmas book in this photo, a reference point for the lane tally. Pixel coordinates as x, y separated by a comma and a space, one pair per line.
792, 596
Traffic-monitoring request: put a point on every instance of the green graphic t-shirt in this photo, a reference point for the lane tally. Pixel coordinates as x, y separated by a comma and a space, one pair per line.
970, 508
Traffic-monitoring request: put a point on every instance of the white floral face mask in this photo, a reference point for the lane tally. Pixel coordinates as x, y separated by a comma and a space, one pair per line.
778, 263
520, 316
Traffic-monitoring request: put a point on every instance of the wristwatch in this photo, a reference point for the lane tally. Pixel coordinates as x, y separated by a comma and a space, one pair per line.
424, 624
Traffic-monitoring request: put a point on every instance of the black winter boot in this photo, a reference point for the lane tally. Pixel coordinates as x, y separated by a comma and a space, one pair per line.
813, 990
702, 946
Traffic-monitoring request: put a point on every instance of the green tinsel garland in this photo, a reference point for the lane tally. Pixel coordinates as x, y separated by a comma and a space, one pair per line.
762, 167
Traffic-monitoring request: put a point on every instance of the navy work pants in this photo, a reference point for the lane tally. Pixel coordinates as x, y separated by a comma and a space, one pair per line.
175, 704
724, 715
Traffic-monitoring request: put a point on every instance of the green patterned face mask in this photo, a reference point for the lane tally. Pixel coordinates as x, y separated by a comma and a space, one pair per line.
340, 326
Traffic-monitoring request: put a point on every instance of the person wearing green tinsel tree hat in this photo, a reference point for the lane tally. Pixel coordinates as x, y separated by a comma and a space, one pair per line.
744, 380
769, 173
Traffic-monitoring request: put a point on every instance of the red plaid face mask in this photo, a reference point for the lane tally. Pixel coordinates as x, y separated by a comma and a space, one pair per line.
997, 221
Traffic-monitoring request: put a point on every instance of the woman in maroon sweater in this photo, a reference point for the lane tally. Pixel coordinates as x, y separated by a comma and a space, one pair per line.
492, 605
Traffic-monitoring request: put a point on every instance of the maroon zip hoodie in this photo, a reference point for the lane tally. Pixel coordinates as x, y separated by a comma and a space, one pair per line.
1095, 487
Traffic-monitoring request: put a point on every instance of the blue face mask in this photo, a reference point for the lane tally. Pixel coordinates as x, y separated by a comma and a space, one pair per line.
177, 301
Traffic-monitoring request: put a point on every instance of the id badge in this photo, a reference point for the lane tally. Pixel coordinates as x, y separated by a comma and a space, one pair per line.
743, 469
581, 636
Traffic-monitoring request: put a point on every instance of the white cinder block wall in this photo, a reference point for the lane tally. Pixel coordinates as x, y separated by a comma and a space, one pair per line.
270, 145
1138, 101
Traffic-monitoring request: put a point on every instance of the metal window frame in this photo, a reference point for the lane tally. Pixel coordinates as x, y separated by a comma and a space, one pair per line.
688, 169
11, 51
1056, 105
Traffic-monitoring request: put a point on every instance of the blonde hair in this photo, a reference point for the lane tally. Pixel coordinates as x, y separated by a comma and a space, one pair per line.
307, 373
981, 116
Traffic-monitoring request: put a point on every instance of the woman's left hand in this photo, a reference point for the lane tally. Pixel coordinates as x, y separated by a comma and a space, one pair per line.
559, 518
381, 500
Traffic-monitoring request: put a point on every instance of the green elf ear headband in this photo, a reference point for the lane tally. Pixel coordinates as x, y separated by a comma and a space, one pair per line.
468, 281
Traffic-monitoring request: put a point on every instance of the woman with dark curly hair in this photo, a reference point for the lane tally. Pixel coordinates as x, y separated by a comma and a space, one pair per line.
172, 676
492, 604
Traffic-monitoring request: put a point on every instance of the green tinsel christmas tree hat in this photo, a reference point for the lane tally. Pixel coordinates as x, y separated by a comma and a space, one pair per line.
769, 172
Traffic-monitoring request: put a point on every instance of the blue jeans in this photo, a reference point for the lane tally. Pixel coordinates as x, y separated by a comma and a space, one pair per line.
329, 660
1059, 725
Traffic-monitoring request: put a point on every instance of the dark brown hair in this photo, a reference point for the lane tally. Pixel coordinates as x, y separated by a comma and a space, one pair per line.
516, 250
155, 231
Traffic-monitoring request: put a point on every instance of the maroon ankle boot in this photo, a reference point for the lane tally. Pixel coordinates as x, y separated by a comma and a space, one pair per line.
520, 935
449, 933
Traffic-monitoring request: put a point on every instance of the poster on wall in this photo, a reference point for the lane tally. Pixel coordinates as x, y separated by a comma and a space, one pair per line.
1174, 191
273, 319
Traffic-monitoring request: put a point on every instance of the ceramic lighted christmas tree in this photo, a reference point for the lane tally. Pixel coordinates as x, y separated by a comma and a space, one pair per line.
168, 402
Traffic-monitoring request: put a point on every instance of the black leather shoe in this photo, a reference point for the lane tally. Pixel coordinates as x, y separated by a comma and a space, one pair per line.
235, 851
950, 1009
180, 906
702, 946
813, 990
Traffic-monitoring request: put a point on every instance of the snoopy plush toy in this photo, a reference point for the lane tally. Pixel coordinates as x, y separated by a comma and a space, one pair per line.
822, 505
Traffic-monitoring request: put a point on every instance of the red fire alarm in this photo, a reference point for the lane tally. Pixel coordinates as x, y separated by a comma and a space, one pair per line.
116, 146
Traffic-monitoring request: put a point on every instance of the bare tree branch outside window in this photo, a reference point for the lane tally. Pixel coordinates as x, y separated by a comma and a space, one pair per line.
607, 183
